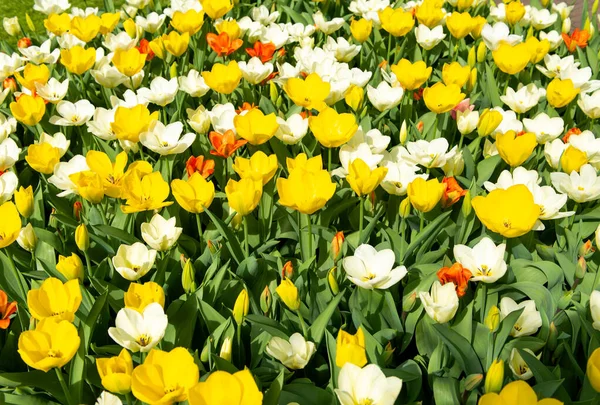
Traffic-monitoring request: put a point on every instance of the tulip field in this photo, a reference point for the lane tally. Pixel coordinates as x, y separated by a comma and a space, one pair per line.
294, 202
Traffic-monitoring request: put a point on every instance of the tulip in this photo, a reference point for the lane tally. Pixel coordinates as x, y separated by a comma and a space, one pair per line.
6, 310
361, 29
55, 300
71, 267
256, 127
82, 237
593, 370
223, 79
580, 187
441, 303
174, 43
129, 62
429, 13
130, 122
595, 307
572, 159
78, 59
440, 98
241, 307
88, 185
528, 323
372, 269
32, 75
411, 75
512, 59
561, 92
108, 22
243, 196
384, 97
489, 120
484, 260
457, 275
288, 293
368, 385
332, 129
492, 319
515, 148
362, 179
115, 372
139, 296
145, 192
452, 193
194, 195
231, 27
160, 234
222, 387
11, 26
454, 73
309, 93
494, 377
459, 24
424, 195
224, 45
52, 344
226, 347
27, 238
396, 21
24, 201
165, 377
28, 110
350, 348
188, 276
518, 366
305, 191
578, 39
515, 10
516, 392
189, 21
10, 226
216, 9
294, 354
58, 24
354, 97
133, 262
139, 331
336, 245
225, 144
85, 28
538, 49
259, 167
199, 164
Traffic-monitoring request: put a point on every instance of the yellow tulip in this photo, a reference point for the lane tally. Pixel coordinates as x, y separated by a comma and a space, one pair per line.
71, 267
115, 372
411, 75
305, 191
130, 27
396, 22
430, 13
259, 167
440, 98
488, 122
459, 24
130, 122
129, 62
288, 293
572, 159
216, 9
331, 128
593, 370
309, 93
223, 388
85, 28
33, 74
165, 377
58, 24
144, 192
55, 300
350, 348
89, 185
256, 127
354, 97
515, 149
24, 201
314, 164
138, 296
515, 10
425, 194
478, 24
188, 277
52, 344
537, 49
108, 22
176, 44
230, 27
42, 157
516, 392
158, 47
223, 79
243, 196
82, 237
561, 92
361, 29
362, 179
77, 59
494, 377
28, 110
454, 73
510, 212
512, 59
10, 226
111, 173
241, 307
194, 195
190, 21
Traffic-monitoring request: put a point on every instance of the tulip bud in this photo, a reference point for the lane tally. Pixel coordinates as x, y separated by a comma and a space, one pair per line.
82, 237
27, 238
188, 277
586, 26
586, 249
552, 337
388, 353
545, 3
30, 23
288, 293
492, 320
331, 279
471, 58
273, 92
336, 245
545, 252
77, 209
173, 70
24, 43
466, 207
405, 208
241, 307
265, 300
288, 270
565, 300
472, 381
581, 267
420, 126
24, 201
481, 52
595, 7
408, 301
225, 353
566, 25
10, 83
11, 26
204, 353
472, 80
598, 237
403, 133
211, 247
529, 32
494, 377
53, 222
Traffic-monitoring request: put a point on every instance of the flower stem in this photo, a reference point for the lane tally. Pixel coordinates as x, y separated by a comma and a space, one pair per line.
361, 216
199, 225
63, 384
310, 236
88, 264
246, 244
329, 160
302, 324
128, 397
421, 222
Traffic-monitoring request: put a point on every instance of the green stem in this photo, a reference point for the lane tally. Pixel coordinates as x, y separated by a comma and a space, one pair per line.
88, 265
421, 222
483, 300
329, 160
128, 397
246, 244
199, 225
310, 237
302, 324
361, 215
63, 384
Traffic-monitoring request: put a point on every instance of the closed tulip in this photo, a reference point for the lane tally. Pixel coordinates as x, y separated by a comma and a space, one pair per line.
85, 28
361, 29
129, 62
244, 195
241, 307
367, 385
223, 388
305, 191
259, 167
54, 300
494, 377
510, 212
58, 24
52, 344
515, 149
189, 21
354, 97
24, 201
351, 348
593, 370
515, 11
538, 49
194, 195
454, 73
78, 59
223, 79
309, 93
42, 157
130, 122
362, 179
441, 303
10, 226
216, 9
489, 120
139, 296
28, 110
32, 75
288, 293
331, 128
411, 75
160, 234
70, 266
397, 22
115, 372
440, 98
459, 24
512, 59
165, 377
430, 13
425, 194
561, 92
572, 159
256, 127
175, 43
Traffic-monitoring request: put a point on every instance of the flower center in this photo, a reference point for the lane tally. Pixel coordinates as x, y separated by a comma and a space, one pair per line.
368, 277
523, 369
55, 354
366, 401
507, 223
143, 340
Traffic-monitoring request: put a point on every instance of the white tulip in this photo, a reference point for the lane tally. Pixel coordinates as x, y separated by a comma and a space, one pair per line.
371, 269
368, 9
489, 149
542, 18
3, 94
139, 332
250, 28
518, 366
546, 129
598, 238
384, 97
327, 27
455, 163
589, 144
68, 41
120, 41
299, 33
429, 154
530, 320
494, 35
509, 122
580, 187
562, 9
274, 33
554, 64
254, 71
343, 50
193, 84
221, 117
160, 234
566, 25
293, 354
62, 172
11, 26
441, 303
79, 12
428, 38
51, 6
524, 99
550, 203
291, 130
9, 154
590, 104
73, 114
27, 239
367, 385
100, 125
199, 119
106, 398
374, 138
553, 151
349, 153
108, 76
595, 301
519, 175
9, 65
130, 100
41, 54
8, 125
466, 121
553, 37
399, 176
53, 91
485, 260
498, 13
134, 261
151, 22
226, 347
58, 140
581, 78
8, 186
262, 15
166, 139
139, 4
161, 91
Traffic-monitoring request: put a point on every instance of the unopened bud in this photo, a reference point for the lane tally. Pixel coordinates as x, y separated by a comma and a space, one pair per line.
405, 208
211, 247
581, 267
337, 243
388, 353
552, 337
288, 270
188, 277
204, 353
472, 57
595, 7
472, 80
566, 25
403, 133
30, 23
565, 300
494, 377
24, 201
492, 320
472, 381
545, 252
420, 126
408, 301
529, 32
173, 70
225, 353
273, 92
10, 83
77, 210
82, 238
466, 207
265, 300
332, 280
586, 249
24, 43
481, 52
241, 307
53, 222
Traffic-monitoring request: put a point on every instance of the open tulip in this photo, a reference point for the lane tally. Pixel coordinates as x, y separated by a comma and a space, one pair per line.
440, 98
256, 127
485, 260
6, 310
28, 110
411, 75
309, 93
85, 28
441, 303
530, 320
350, 348
160, 234
516, 392
259, 167
130, 122
10, 226
396, 21
216, 9
561, 92
223, 388
111, 173
55, 300
367, 385
32, 75
78, 59
137, 331
305, 191
515, 148
144, 192
115, 372
362, 179
459, 24
129, 62
425, 194
293, 354
139, 296
223, 79
371, 269
244, 195
71, 267
133, 262
225, 144
189, 21
88, 185
333, 129
457, 275
194, 195
573, 159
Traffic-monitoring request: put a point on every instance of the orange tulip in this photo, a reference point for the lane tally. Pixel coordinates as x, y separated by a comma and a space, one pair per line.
222, 43
263, 51
453, 192
6, 310
579, 38
205, 167
225, 144
456, 274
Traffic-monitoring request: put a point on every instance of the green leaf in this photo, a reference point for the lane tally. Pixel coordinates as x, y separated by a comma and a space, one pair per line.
434, 227
116, 233
460, 348
317, 328
231, 241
